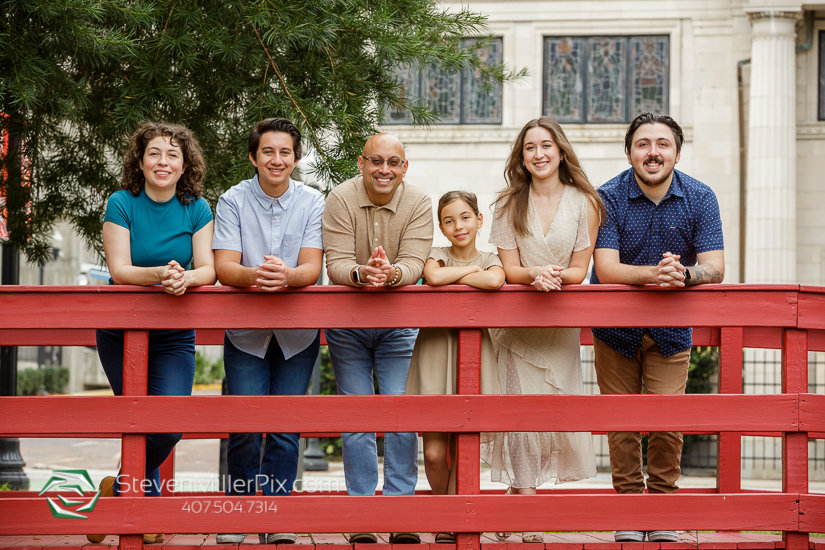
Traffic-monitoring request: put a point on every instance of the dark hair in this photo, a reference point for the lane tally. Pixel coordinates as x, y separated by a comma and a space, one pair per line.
275, 125
650, 118
515, 198
451, 196
189, 183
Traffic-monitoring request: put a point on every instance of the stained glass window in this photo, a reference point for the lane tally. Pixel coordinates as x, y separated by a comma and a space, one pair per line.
821, 75
480, 100
407, 75
648, 75
442, 92
605, 78
564, 79
458, 97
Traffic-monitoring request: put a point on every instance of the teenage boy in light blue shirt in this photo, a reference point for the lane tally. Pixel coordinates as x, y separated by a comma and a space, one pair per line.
268, 234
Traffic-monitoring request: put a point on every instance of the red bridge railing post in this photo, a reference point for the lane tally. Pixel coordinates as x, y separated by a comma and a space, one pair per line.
133, 453
795, 444
468, 477
729, 446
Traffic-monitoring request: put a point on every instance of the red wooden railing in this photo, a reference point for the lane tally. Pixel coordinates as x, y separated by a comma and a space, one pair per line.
786, 317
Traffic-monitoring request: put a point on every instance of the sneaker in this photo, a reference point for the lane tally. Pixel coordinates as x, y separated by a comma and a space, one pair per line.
662, 536
107, 489
405, 538
153, 538
631, 536
277, 538
230, 538
362, 538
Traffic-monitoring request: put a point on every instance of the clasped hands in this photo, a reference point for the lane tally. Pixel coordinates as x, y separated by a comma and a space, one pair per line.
174, 279
271, 274
548, 278
671, 272
379, 269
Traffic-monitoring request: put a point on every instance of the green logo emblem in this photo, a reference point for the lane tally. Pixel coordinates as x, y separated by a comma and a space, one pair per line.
73, 481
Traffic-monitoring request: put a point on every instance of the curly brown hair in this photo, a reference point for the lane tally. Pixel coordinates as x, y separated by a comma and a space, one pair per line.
188, 186
515, 198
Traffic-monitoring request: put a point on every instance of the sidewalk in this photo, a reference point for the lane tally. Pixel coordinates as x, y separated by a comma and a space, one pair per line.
197, 467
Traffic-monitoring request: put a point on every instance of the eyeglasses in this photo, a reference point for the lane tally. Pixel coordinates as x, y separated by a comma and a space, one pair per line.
378, 162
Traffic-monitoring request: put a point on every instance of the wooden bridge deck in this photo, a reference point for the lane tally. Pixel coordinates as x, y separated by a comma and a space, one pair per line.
552, 541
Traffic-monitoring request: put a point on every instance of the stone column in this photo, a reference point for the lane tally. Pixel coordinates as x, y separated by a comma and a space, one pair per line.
771, 186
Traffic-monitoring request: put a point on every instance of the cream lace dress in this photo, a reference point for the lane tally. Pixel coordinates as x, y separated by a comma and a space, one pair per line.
541, 360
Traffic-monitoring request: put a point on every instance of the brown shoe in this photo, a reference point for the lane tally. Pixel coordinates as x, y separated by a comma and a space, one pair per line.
107, 489
152, 538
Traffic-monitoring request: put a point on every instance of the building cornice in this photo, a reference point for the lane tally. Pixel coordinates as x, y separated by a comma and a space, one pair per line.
576, 133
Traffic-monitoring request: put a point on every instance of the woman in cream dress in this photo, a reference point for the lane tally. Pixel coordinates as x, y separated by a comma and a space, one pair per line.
545, 228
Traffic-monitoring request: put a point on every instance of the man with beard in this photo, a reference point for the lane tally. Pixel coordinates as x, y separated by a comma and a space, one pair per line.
663, 227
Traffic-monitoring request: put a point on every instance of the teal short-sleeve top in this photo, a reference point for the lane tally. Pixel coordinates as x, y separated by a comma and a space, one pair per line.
158, 231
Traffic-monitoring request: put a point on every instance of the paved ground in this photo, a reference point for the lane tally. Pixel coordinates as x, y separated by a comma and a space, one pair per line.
197, 466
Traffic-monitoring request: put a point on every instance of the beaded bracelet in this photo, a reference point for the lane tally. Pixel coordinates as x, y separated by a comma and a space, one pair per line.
397, 276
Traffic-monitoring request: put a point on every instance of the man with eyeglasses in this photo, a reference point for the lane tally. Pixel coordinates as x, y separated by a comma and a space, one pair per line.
377, 231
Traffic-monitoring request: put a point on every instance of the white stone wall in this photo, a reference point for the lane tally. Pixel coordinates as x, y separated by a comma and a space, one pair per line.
707, 40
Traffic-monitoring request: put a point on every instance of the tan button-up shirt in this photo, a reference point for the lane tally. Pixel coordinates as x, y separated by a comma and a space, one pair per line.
354, 227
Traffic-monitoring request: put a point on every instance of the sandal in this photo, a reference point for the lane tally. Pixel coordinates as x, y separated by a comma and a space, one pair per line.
532, 536
445, 538
501, 536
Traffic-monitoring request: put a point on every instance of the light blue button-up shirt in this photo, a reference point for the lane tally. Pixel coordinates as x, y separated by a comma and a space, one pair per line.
251, 222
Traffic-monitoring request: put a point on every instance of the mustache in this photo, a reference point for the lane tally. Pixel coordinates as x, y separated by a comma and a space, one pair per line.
655, 159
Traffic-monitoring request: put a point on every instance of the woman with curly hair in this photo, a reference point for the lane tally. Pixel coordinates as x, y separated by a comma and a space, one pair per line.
157, 231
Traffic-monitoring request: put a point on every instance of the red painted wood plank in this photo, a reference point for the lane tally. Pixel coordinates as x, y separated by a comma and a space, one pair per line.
313, 307
70, 542
812, 310
133, 447
812, 414
167, 474
794, 379
812, 514
82, 337
405, 413
816, 340
195, 541
762, 337
729, 445
795, 445
465, 513
338, 289
702, 336
467, 445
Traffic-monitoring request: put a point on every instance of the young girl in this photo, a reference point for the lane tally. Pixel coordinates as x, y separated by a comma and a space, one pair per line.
434, 360
545, 228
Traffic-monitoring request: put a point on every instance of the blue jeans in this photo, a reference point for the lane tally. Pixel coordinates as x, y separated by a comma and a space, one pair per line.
355, 355
171, 372
272, 375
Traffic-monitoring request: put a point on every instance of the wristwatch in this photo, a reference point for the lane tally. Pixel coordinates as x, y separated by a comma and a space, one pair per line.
687, 275
357, 272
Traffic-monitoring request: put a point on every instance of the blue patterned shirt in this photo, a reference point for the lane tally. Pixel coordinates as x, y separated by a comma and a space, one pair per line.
685, 222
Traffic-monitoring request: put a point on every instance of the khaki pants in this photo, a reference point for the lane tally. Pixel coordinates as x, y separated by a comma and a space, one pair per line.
618, 374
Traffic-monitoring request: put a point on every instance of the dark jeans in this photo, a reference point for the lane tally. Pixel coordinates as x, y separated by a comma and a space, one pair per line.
171, 372
247, 374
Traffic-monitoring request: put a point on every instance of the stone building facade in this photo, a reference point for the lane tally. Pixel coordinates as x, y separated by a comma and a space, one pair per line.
744, 78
